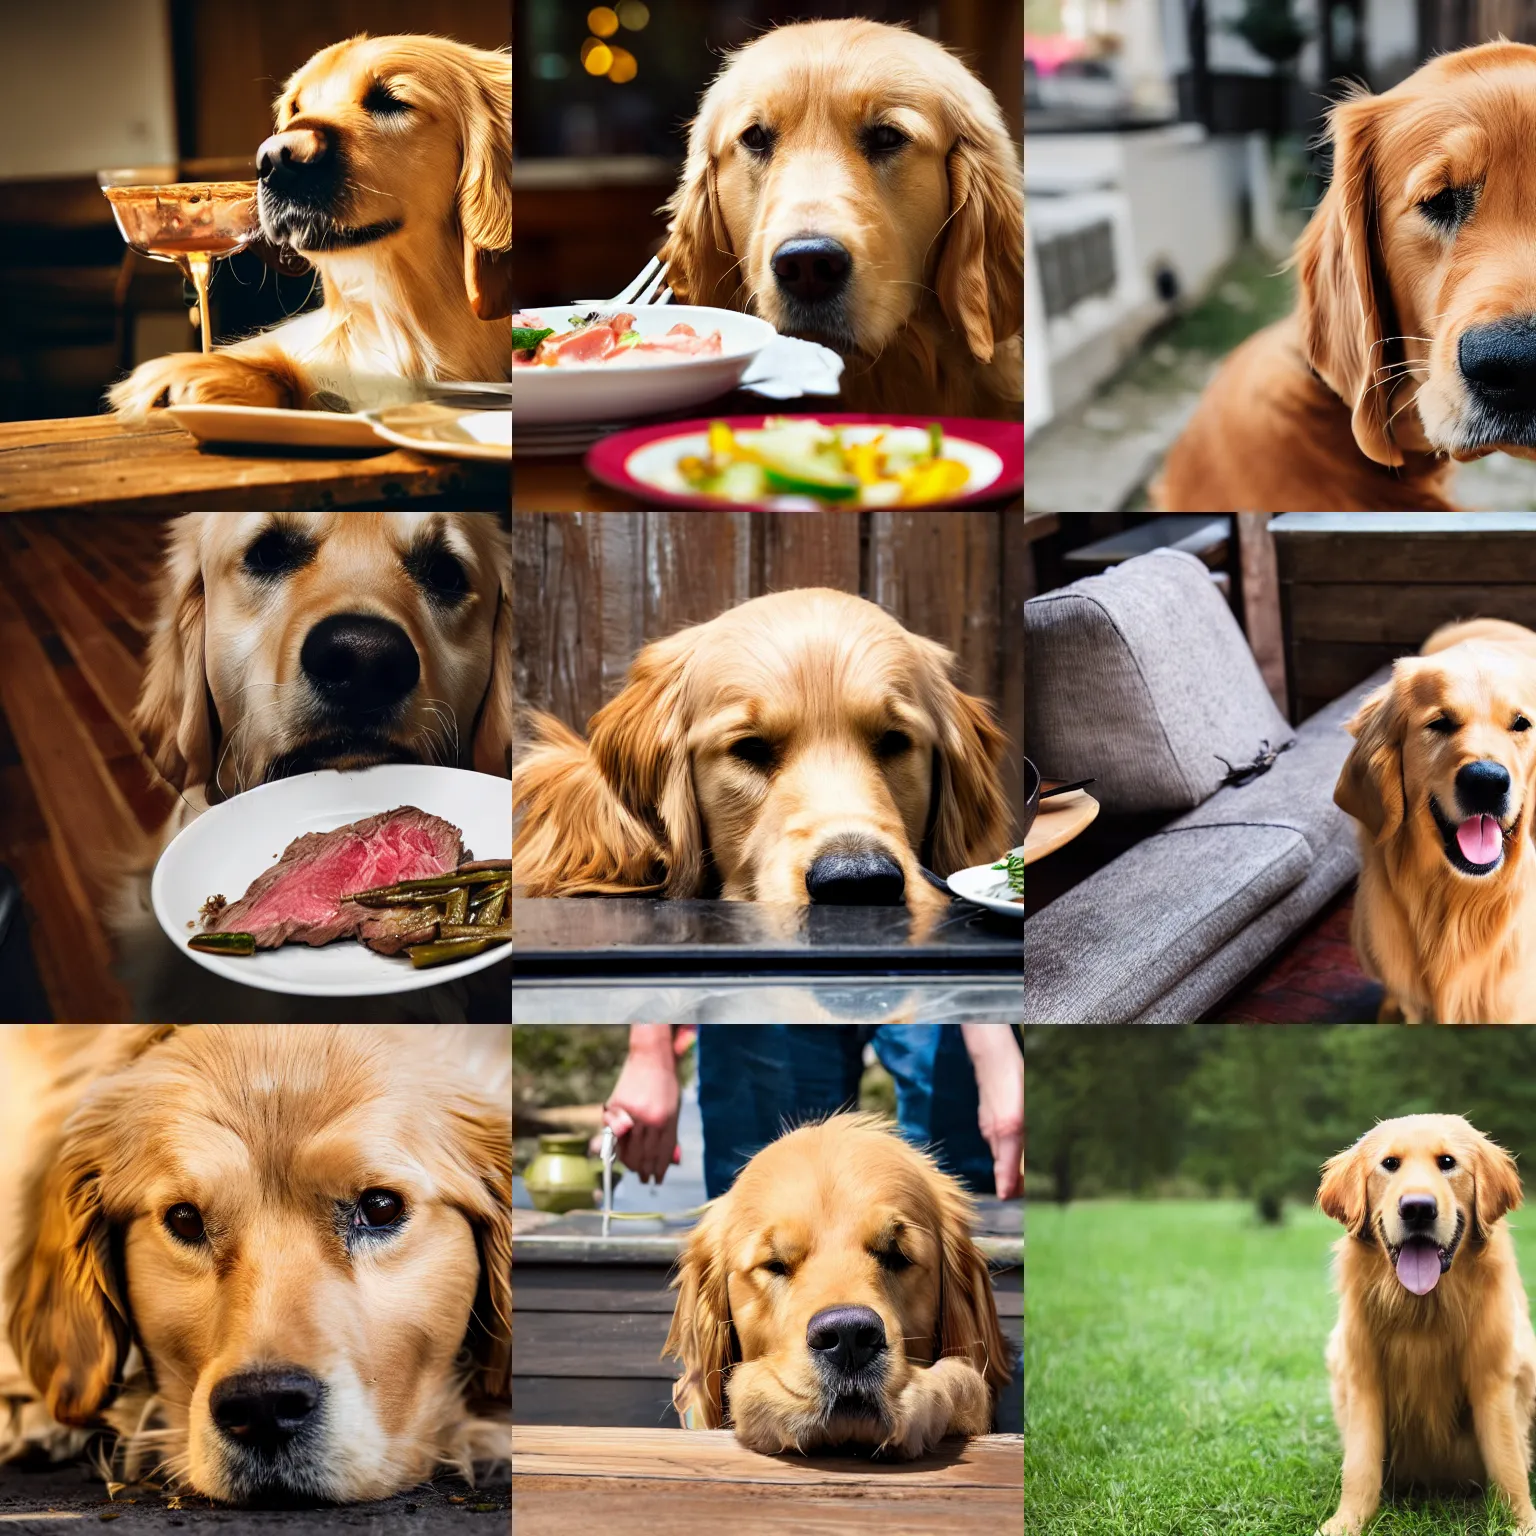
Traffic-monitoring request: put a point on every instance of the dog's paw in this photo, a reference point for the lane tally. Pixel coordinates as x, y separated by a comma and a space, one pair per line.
197, 378
1340, 1525
921, 1421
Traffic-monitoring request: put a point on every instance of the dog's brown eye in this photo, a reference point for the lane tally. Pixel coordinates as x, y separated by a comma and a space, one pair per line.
382, 102
277, 552
379, 1208
883, 139
775, 1267
753, 750
1443, 725
1450, 208
439, 571
893, 744
1445, 1162
1521, 724
184, 1222
1391, 1164
893, 1259
758, 139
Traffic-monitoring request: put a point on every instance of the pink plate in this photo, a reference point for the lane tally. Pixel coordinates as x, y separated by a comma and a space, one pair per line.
614, 458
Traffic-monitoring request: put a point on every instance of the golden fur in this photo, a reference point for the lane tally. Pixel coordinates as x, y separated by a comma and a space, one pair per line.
821, 1203
1356, 401
1438, 1390
431, 298
1448, 946
870, 743
934, 318
273, 1134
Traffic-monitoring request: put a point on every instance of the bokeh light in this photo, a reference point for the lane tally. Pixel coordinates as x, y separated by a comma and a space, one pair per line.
596, 57
633, 15
624, 67
603, 20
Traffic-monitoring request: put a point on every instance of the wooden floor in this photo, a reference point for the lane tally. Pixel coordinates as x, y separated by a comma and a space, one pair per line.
76, 793
688, 1482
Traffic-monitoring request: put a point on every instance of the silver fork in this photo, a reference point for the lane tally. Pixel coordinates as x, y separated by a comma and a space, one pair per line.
650, 287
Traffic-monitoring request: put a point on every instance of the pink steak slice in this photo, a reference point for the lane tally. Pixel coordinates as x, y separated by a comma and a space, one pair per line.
298, 900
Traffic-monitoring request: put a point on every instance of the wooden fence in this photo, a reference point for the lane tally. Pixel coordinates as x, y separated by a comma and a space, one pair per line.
590, 589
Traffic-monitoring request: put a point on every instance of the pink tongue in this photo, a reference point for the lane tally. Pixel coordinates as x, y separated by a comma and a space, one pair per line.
1418, 1266
1478, 837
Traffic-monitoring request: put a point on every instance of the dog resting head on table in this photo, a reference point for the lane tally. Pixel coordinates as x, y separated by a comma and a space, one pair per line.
1442, 781
1432, 1361
1414, 338
835, 1296
275, 1261
855, 184
391, 173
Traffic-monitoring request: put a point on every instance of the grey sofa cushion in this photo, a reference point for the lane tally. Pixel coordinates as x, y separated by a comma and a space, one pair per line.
1181, 894
1139, 679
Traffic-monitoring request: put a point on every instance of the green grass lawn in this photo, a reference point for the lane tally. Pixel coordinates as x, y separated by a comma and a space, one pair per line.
1175, 1376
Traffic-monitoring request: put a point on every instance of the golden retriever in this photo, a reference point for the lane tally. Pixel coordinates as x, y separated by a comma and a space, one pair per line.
802, 746
855, 184
290, 641
1412, 342
1442, 779
391, 173
1432, 1360
834, 1295
276, 1260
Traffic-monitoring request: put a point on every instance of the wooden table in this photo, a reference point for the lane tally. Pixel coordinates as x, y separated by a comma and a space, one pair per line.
101, 464
568, 1478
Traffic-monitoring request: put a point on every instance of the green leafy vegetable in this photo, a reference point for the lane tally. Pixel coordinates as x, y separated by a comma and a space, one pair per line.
526, 337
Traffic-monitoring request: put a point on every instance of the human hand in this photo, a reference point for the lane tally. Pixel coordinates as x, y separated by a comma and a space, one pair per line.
642, 1109
999, 1066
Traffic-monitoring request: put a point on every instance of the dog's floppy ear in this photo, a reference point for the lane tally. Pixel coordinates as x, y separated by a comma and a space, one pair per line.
969, 818
1344, 300
482, 1138
1370, 786
485, 185
700, 1335
173, 715
1342, 1194
967, 1326
492, 751
701, 267
68, 1322
980, 278
1496, 1185
640, 742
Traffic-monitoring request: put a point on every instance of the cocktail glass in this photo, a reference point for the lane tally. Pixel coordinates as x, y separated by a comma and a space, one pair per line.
190, 223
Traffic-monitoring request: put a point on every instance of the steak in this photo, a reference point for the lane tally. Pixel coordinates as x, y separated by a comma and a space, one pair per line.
298, 900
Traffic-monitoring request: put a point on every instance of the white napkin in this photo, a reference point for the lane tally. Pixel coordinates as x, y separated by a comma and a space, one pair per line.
788, 367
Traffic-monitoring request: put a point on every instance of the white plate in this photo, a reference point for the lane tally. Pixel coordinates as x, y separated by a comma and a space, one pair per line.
987, 887
275, 428
227, 847
656, 463
445, 429
623, 391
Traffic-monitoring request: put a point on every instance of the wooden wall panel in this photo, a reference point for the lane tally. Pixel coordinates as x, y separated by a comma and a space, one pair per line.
591, 589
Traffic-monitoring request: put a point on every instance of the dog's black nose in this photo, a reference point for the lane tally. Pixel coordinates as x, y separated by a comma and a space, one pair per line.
1482, 789
1498, 362
864, 879
1418, 1210
263, 1410
812, 269
845, 1339
360, 664
288, 159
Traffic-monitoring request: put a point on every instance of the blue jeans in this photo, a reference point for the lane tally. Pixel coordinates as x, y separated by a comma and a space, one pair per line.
757, 1081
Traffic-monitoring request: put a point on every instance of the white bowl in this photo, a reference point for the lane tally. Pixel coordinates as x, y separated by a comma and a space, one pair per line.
228, 846
620, 391
988, 887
